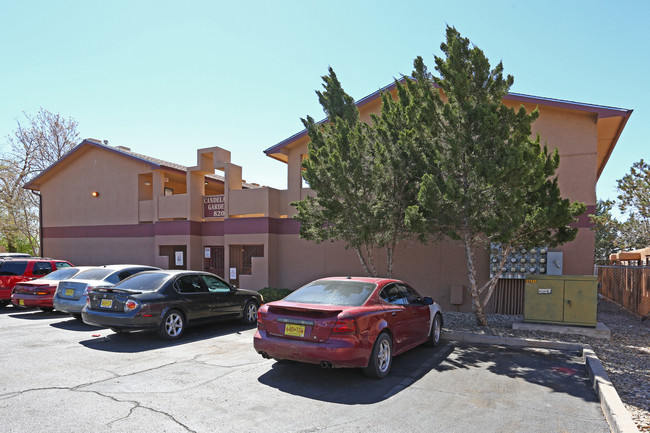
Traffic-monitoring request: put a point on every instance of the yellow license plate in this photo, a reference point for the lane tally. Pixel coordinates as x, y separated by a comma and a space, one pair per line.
69, 292
106, 303
21, 302
294, 330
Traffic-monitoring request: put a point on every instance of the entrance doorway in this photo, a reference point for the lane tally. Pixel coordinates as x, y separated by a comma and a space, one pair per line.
176, 256
241, 260
215, 262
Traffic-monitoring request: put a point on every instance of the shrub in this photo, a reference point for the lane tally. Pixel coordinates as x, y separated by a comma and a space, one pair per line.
272, 294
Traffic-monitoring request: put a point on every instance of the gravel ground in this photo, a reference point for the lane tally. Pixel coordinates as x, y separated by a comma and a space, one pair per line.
626, 356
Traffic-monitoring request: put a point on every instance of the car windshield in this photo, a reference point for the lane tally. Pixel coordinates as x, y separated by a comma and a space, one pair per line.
61, 274
94, 274
13, 267
333, 292
142, 282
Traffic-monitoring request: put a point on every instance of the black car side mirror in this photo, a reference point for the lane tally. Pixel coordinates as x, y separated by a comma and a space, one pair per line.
427, 300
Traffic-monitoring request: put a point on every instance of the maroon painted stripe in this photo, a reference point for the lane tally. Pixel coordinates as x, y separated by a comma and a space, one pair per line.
284, 226
171, 228
233, 226
212, 228
121, 231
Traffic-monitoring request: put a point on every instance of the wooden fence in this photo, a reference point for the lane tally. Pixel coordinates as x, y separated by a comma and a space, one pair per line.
628, 286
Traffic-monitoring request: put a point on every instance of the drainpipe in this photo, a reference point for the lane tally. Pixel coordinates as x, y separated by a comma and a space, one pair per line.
40, 222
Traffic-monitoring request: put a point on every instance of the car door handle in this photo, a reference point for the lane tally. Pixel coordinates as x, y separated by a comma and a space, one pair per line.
393, 314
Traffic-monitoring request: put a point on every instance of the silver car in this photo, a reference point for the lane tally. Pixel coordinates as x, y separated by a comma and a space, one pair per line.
71, 295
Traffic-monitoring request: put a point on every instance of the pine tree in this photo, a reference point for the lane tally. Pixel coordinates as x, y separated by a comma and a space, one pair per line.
487, 180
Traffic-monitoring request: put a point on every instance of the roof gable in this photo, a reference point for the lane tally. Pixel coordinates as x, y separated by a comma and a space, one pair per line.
611, 121
153, 163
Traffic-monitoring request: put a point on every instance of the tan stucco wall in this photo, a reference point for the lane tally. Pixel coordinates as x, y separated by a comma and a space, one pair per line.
67, 199
102, 251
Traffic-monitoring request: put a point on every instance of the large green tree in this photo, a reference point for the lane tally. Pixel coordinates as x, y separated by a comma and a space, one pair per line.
365, 176
607, 230
38, 141
340, 168
487, 179
634, 201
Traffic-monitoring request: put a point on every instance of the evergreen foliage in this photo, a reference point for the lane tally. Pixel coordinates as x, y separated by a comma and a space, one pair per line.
606, 229
487, 180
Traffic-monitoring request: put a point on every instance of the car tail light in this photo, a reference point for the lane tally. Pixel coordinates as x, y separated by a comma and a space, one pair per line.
345, 325
260, 319
41, 292
88, 290
130, 305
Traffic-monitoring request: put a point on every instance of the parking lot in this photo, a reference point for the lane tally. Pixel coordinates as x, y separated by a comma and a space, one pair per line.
63, 375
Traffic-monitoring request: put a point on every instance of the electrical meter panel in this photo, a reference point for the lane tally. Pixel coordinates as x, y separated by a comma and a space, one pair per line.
520, 262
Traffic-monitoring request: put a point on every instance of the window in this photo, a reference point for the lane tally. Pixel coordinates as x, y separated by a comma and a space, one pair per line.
60, 265
11, 267
393, 295
215, 284
189, 284
333, 292
412, 297
42, 268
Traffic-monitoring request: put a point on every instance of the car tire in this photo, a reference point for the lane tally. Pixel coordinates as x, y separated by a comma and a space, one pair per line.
249, 315
77, 316
46, 309
172, 326
436, 330
3, 304
381, 358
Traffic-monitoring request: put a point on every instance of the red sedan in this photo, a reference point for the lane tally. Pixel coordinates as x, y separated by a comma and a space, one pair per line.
348, 322
39, 293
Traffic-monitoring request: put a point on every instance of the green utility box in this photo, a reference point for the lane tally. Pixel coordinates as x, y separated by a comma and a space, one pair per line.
561, 299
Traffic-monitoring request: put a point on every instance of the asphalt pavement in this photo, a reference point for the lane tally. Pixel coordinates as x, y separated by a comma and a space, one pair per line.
61, 375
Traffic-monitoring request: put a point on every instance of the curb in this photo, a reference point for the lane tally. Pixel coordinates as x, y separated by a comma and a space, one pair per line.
618, 417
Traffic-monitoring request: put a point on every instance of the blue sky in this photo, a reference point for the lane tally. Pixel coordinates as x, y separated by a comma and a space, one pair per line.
165, 78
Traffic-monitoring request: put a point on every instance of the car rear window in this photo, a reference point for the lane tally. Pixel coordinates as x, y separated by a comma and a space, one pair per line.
333, 292
94, 274
142, 282
61, 274
13, 267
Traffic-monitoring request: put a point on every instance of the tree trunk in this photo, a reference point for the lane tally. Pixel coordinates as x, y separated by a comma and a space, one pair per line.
368, 263
477, 305
390, 250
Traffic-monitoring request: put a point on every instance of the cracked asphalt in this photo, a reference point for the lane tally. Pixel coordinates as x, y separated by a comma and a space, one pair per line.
61, 375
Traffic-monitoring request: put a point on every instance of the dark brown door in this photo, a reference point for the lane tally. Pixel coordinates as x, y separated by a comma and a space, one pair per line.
215, 262
241, 260
176, 256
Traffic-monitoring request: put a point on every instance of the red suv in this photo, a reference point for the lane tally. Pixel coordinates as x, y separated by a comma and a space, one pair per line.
13, 271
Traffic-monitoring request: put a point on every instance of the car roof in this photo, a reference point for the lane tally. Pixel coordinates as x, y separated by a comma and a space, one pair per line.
176, 272
122, 267
374, 280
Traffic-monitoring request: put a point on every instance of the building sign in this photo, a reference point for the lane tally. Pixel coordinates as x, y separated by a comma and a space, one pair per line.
178, 256
214, 206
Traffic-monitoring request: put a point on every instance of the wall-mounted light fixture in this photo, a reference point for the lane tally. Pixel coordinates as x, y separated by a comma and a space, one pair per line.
147, 183
94, 194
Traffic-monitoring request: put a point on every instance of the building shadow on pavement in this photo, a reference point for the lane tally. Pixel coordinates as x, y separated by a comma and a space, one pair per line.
349, 385
142, 341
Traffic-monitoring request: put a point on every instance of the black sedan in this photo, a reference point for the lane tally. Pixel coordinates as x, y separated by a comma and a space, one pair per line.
168, 301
